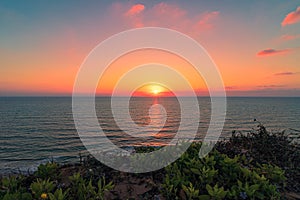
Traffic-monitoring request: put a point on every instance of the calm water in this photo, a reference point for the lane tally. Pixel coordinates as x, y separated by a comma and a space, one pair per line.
36, 129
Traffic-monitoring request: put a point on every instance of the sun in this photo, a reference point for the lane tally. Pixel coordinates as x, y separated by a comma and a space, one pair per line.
156, 89
152, 90
155, 92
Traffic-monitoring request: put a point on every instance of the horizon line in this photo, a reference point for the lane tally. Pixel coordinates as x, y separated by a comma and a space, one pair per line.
269, 96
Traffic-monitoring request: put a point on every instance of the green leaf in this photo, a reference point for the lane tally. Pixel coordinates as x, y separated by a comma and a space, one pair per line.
209, 190
196, 171
204, 197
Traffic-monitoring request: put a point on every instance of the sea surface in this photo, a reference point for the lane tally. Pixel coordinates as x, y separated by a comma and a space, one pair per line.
34, 130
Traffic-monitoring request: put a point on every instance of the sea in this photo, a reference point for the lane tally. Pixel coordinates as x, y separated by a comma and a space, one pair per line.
35, 130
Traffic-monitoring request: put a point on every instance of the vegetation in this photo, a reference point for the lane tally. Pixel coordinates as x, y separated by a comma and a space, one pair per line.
264, 147
217, 177
257, 165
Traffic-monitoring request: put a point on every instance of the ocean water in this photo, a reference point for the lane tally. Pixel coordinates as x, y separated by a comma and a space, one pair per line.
34, 130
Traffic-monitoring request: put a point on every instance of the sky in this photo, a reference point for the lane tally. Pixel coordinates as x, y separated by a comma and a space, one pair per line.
255, 45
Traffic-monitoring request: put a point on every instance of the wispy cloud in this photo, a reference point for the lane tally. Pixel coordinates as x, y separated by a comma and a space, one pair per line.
285, 73
271, 52
134, 14
266, 92
231, 87
271, 86
206, 18
290, 37
168, 15
292, 18
135, 9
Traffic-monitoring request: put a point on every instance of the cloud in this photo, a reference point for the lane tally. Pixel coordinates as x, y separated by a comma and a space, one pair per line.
271, 52
206, 18
266, 92
271, 86
134, 14
285, 73
292, 18
231, 87
135, 9
165, 9
290, 37
169, 15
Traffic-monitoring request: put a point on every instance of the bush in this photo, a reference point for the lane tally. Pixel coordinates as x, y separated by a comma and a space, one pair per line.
217, 176
11, 188
48, 170
267, 148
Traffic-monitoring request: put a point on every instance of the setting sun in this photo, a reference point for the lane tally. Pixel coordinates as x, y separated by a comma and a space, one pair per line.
156, 89
153, 89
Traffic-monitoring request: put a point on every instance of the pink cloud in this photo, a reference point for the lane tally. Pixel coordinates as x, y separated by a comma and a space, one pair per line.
271, 86
135, 15
135, 9
164, 9
290, 37
271, 52
285, 73
292, 18
231, 87
169, 15
206, 18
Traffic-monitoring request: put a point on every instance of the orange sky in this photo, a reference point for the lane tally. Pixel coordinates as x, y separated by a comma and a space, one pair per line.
256, 45
124, 66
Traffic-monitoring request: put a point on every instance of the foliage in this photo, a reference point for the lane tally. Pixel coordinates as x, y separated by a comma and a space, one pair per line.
217, 176
190, 191
102, 187
59, 194
84, 189
40, 187
11, 188
48, 170
216, 192
267, 148
80, 188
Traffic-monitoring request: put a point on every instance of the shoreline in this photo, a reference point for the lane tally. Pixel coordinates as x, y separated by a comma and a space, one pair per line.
76, 160
243, 151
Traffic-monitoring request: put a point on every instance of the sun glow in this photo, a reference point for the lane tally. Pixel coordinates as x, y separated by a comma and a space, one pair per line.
156, 89
153, 89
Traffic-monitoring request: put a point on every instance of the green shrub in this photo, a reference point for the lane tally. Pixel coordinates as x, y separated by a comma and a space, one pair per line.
217, 176
48, 170
11, 188
271, 148
40, 187
59, 194
83, 189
